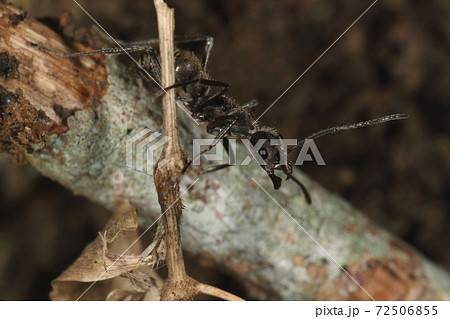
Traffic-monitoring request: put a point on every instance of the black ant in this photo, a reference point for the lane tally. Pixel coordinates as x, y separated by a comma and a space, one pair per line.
225, 117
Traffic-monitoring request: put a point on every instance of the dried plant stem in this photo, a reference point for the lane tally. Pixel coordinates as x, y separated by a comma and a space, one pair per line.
216, 292
178, 286
167, 176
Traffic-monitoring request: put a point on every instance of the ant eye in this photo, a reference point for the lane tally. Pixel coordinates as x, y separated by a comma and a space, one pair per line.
263, 153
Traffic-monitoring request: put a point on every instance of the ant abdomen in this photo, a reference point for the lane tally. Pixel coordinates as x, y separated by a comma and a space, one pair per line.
187, 66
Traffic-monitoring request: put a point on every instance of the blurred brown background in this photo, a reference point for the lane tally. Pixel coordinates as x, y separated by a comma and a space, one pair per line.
394, 60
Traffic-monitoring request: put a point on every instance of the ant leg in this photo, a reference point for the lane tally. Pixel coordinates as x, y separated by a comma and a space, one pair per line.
230, 153
149, 62
223, 89
226, 145
209, 42
211, 83
219, 136
139, 46
141, 42
250, 104
106, 51
201, 81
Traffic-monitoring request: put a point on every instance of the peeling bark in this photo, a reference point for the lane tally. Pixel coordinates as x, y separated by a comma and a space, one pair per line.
95, 106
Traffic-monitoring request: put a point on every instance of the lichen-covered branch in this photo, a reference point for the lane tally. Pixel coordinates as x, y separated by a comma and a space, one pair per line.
95, 106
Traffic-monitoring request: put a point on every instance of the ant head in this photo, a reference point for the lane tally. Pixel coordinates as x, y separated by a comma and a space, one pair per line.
271, 151
275, 157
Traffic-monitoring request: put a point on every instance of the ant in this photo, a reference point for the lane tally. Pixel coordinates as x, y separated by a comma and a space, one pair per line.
225, 117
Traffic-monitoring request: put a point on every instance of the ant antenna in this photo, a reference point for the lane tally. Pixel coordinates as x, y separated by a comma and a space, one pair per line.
335, 129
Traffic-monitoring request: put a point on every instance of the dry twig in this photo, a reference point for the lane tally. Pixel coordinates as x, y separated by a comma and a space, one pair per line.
178, 286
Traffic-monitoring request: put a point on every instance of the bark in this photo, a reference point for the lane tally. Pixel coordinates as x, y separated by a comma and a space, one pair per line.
94, 106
